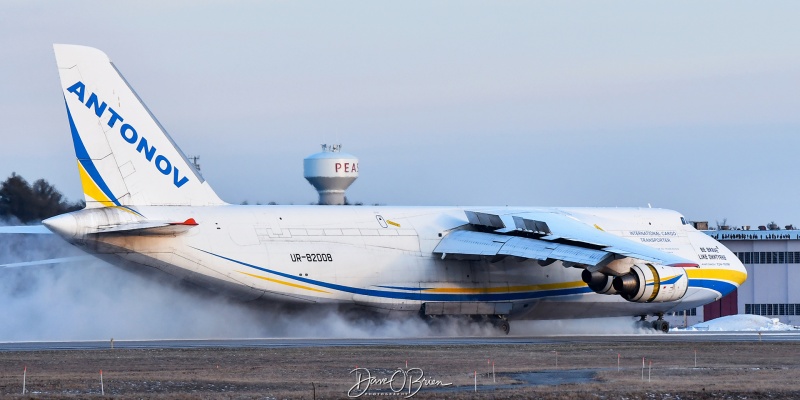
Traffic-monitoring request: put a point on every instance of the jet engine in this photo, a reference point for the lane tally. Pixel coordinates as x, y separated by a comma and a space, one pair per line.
599, 282
650, 283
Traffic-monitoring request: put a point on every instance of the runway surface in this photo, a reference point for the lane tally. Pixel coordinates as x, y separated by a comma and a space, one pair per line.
791, 336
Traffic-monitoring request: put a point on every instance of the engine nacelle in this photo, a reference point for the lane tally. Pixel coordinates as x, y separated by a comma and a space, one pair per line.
599, 282
650, 283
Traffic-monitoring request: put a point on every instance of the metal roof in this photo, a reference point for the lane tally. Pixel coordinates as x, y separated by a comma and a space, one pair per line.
723, 235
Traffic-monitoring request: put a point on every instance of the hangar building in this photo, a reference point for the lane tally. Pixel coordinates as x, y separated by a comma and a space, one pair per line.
772, 259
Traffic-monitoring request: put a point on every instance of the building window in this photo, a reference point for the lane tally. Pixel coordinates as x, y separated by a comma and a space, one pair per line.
772, 309
768, 257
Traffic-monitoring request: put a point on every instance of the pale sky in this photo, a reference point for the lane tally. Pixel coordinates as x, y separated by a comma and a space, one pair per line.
692, 106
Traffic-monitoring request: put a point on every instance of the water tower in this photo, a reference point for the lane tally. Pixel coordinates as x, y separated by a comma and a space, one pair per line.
330, 172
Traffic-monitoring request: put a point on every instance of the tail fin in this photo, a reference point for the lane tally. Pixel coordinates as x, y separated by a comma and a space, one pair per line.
125, 157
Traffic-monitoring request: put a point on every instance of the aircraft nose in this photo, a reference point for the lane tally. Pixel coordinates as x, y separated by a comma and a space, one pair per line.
739, 272
65, 225
736, 272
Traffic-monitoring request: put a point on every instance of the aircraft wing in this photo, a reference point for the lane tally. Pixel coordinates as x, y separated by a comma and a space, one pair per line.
547, 236
471, 243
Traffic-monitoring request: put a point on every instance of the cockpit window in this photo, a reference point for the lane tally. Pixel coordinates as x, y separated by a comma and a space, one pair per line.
683, 221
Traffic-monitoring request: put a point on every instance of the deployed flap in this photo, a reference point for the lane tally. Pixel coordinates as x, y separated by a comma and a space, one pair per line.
470, 243
536, 249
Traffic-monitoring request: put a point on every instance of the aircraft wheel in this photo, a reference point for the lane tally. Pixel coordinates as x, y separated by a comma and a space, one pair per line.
505, 326
661, 326
501, 324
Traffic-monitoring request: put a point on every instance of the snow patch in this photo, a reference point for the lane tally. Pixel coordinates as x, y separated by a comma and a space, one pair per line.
741, 322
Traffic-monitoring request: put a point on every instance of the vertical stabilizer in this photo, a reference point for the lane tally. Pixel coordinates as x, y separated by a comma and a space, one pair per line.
125, 157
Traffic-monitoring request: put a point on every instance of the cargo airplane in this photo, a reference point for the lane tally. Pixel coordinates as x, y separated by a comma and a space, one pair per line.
148, 207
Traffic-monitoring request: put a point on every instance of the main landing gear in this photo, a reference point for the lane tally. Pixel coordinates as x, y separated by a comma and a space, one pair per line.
659, 325
501, 323
498, 322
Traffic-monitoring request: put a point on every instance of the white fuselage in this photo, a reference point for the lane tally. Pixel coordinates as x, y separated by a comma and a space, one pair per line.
382, 257
148, 206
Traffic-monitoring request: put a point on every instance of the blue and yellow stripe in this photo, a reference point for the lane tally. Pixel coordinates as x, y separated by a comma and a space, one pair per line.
432, 294
718, 280
94, 187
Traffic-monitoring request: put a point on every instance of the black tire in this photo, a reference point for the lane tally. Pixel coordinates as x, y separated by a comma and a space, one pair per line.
505, 327
661, 326
498, 323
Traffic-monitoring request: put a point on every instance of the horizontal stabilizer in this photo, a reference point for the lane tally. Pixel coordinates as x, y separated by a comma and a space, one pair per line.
47, 262
27, 229
148, 228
